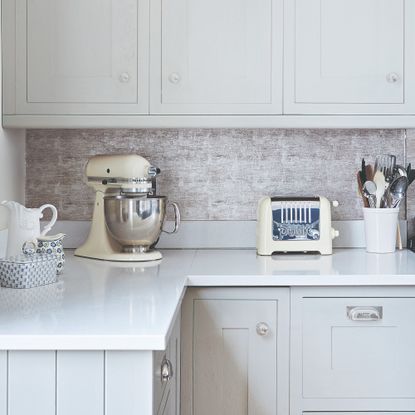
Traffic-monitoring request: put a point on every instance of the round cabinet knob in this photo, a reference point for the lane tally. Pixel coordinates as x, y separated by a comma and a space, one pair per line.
166, 370
392, 77
125, 77
335, 203
174, 78
262, 328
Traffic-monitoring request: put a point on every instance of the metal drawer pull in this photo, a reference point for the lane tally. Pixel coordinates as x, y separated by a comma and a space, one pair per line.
166, 370
363, 313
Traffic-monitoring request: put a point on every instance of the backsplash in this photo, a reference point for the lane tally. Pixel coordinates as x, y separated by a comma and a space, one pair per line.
214, 174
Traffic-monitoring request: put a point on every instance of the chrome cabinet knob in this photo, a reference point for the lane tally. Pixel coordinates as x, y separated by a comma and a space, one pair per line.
174, 78
262, 329
392, 77
166, 370
125, 77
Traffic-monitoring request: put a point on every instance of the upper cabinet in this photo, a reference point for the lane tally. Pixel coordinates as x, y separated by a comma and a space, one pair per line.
75, 57
216, 56
208, 63
350, 56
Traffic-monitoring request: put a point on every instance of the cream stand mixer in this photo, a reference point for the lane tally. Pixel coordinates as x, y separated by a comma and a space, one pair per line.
128, 215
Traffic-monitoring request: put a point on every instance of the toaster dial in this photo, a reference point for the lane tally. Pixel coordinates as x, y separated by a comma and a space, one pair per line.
295, 220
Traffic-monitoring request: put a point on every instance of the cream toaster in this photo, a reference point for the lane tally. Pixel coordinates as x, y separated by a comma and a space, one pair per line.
295, 224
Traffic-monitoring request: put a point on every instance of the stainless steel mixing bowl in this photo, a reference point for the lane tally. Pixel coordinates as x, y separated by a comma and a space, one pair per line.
136, 222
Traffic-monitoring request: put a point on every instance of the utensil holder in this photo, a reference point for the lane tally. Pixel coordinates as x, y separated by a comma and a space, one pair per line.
380, 229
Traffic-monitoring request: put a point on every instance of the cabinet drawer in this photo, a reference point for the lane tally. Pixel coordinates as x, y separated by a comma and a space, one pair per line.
358, 348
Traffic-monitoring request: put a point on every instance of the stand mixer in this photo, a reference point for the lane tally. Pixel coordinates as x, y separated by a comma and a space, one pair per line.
128, 216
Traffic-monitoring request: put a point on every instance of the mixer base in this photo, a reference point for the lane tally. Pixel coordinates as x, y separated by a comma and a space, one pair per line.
125, 257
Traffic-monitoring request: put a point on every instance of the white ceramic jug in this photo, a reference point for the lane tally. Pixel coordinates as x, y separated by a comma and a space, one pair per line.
24, 225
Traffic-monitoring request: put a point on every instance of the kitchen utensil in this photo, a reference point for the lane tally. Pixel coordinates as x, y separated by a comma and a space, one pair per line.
399, 237
121, 180
363, 176
369, 172
52, 245
24, 225
400, 171
28, 269
385, 163
380, 229
381, 186
369, 191
298, 224
396, 191
360, 190
137, 222
411, 176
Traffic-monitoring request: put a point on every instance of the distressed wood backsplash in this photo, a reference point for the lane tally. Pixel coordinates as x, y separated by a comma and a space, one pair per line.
214, 174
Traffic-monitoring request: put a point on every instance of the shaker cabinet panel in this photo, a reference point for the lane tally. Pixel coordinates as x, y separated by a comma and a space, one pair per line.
231, 363
234, 367
216, 56
349, 56
79, 57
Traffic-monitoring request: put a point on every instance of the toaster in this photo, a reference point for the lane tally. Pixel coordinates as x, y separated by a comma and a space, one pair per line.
295, 224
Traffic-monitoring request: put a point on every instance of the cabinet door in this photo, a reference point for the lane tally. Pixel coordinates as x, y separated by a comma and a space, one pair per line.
78, 57
216, 56
349, 56
230, 364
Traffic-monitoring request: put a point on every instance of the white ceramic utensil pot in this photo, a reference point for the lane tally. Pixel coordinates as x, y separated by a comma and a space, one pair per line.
380, 229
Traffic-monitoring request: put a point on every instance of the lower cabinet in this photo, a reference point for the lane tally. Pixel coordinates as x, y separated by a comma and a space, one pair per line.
91, 382
235, 351
352, 350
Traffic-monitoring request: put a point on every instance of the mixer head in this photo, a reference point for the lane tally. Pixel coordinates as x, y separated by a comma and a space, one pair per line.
126, 173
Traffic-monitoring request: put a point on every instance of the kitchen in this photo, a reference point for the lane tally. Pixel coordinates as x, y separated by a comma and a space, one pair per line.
232, 101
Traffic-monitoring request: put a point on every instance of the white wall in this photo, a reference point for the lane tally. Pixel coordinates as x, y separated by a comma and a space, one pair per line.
12, 169
12, 166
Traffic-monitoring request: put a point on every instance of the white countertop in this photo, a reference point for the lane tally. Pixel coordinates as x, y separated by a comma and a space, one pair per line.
103, 305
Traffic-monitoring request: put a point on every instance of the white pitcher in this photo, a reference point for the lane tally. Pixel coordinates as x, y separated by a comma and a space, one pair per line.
24, 225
